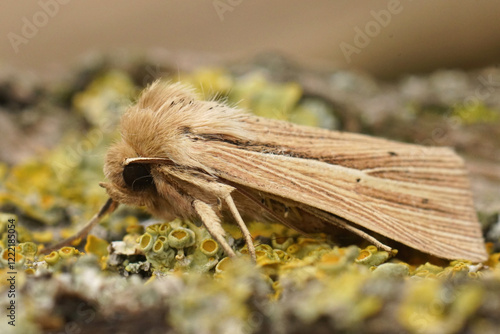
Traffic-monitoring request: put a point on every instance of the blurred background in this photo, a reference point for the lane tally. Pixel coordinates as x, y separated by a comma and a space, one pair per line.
384, 37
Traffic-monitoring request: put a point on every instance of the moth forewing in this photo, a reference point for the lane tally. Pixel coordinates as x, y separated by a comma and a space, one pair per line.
203, 153
434, 219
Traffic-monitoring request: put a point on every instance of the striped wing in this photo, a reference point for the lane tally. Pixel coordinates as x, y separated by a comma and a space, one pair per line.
415, 195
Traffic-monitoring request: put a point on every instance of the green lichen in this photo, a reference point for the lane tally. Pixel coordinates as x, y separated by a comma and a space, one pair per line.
28, 249
371, 256
392, 270
179, 245
180, 238
146, 242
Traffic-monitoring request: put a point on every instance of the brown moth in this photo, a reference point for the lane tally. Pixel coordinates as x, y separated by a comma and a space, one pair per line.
203, 160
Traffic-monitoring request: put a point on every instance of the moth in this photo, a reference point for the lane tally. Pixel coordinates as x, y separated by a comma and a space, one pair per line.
204, 160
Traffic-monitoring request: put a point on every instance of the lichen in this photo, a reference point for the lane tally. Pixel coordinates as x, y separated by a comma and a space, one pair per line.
475, 113
96, 246
174, 275
371, 256
432, 307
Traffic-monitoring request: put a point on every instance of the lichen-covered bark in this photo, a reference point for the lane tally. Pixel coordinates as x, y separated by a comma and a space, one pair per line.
138, 274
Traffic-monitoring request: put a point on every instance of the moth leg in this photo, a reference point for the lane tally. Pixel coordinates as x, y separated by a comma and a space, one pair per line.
367, 237
278, 218
242, 226
345, 225
213, 225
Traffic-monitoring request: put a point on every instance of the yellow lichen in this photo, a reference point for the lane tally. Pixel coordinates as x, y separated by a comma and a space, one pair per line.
135, 229
210, 81
153, 230
223, 265
96, 246
371, 256
43, 236
8, 255
281, 242
146, 242
181, 237
209, 247
164, 229
68, 252
158, 246
110, 91
476, 113
427, 269
392, 270
430, 308
52, 258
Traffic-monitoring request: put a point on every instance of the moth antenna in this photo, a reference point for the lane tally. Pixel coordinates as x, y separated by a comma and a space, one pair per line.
242, 226
108, 207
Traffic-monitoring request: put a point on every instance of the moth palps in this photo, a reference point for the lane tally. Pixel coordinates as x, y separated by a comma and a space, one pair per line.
203, 160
